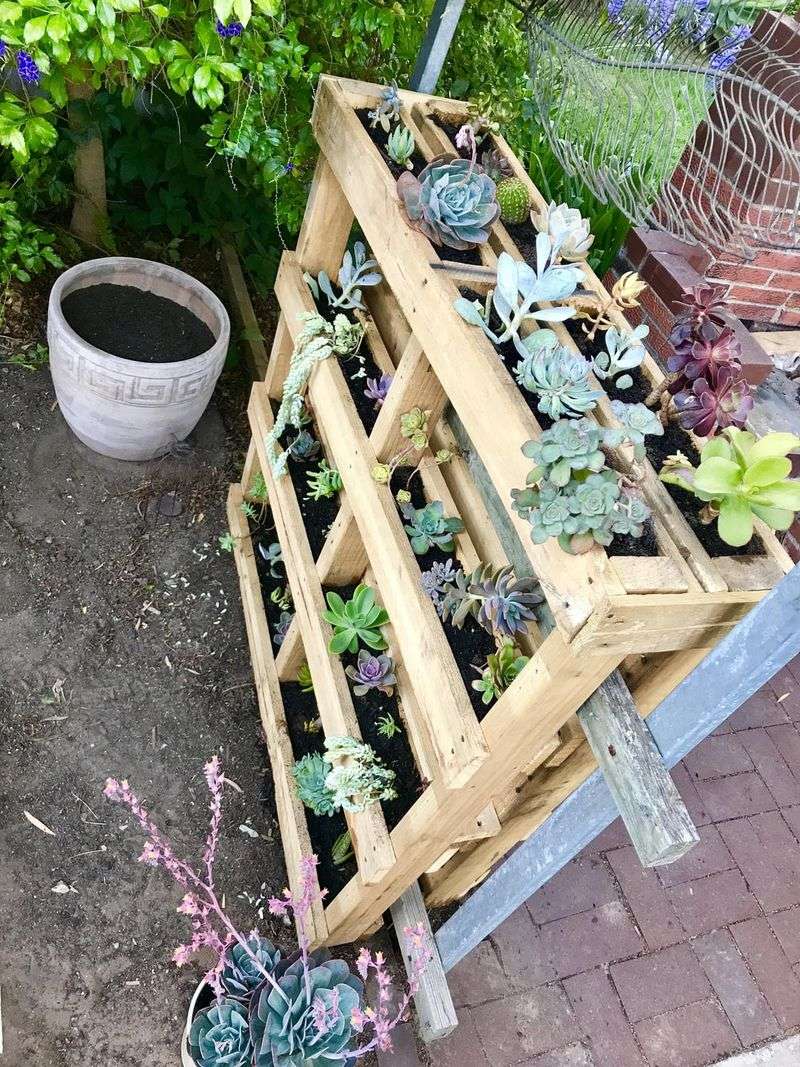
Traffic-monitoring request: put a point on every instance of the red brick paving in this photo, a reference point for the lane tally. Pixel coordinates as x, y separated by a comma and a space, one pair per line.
610, 965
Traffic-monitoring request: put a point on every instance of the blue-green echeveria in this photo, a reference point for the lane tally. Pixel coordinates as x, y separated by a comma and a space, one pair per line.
240, 976
453, 202
220, 1035
301, 1025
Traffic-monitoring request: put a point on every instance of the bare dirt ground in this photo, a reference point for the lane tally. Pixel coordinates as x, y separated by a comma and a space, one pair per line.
122, 652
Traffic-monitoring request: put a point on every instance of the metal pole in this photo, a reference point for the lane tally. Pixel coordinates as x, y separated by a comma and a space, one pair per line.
438, 38
753, 652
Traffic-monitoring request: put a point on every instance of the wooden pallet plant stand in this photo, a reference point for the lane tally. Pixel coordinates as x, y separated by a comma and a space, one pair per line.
620, 633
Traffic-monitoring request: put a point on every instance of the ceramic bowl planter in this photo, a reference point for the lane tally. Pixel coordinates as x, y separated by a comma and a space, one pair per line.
201, 993
123, 407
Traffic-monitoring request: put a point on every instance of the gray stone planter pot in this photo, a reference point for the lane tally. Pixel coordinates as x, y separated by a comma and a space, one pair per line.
121, 407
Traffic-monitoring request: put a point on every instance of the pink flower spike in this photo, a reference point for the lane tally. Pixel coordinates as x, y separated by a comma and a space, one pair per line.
188, 906
181, 955
150, 854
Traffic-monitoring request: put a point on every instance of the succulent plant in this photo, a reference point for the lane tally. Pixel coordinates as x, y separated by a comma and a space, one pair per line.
304, 447
623, 353
504, 602
220, 1035
309, 774
358, 620
258, 488
282, 627
304, 679
559, 377
548, 509
569, 232
710, 404
638, 422
428, 528
240, 976
388, 109
702, 355
400, 147
273, 556
436, 581
285, 1022
388, 726
324, 482
630, 515
342, 849
514, 200
358, 778
593, 500
741, 476
451, 201
502, 667
569, 445
699, 305
519, 288
496, 165
281, 596
372, 672
356, 271
378, 389
414, 427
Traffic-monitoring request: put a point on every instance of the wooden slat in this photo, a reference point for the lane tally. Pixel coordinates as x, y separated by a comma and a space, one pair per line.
371, 842
649, 574
239, 300
473, 378
291, 813
749, 572
279, 360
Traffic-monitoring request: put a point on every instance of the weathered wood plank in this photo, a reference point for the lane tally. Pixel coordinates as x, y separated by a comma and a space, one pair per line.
245, 317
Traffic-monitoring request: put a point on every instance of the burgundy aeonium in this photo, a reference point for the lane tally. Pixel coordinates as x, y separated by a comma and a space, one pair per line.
709, 407
702, 356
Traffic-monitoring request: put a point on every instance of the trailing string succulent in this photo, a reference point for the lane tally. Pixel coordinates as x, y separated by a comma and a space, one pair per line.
558, 376
282, 627
357, 777
428, 527
401, 146
708, 383
378, 389
625, 293
570, 233
502, 604
355, 273
502, 667
359, 620
324, 482
387, 110
452, 202
623, 353
273, 557
285, 1022
372, 672
514, 200
243, 969
519, 288
309, 775
572, 495
741, 477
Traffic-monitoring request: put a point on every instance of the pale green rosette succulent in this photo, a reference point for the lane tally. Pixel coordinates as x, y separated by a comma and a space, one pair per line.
453, 202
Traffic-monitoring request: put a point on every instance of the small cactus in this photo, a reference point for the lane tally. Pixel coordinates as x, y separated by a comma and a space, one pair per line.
514, 200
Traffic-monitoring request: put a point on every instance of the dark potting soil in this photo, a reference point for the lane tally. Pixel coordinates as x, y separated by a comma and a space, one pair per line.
379, 139
677, 440
626, 545
133, 324
395, 751
357, 372
301, 709
471, 645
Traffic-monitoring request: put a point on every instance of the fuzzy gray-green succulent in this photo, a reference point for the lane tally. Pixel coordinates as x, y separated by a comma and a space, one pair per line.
306, 1021
559, 378
357, 777
451, 201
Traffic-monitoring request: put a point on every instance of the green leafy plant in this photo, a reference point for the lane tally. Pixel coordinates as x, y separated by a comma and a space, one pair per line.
428, 527
358, 620
502, 667
372, 672
388, 726
623, 353
401, 147
258, 488
559, 377
304, 679
324, 482
358, 777
356, 271
25, 248
451, 201
520, 286
741, 477
342, 849
309, 775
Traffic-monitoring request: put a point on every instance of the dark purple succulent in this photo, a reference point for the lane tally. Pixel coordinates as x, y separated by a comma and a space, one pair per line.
702, 303
704, 356
708, 407
377, 388
372, 672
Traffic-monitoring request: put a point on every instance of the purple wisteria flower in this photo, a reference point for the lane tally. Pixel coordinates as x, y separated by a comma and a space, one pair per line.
730, 49
233, 29
27, 69
377, 388
3, 49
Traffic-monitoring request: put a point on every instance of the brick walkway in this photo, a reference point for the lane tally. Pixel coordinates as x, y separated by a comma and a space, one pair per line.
610, 965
